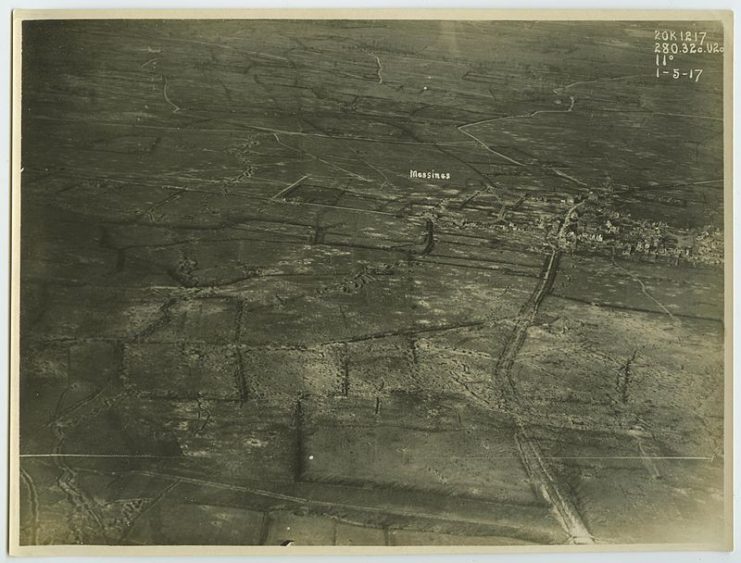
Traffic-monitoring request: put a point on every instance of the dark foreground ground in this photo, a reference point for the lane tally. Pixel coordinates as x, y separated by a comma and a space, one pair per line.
244, 323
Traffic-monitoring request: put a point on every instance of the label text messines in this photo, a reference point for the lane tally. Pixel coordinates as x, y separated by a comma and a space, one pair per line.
429, 175
671, 44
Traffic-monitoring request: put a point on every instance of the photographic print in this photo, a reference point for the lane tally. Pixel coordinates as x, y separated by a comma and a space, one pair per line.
409, 279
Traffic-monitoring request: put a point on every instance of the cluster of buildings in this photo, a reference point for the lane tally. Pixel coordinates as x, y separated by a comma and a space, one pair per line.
596, 227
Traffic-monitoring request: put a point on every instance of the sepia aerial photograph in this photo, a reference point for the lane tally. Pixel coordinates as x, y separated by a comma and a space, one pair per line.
372, 282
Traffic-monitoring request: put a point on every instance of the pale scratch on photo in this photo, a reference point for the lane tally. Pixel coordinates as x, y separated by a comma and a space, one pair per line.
175, 108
